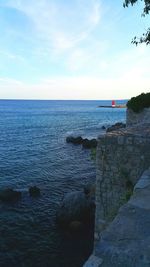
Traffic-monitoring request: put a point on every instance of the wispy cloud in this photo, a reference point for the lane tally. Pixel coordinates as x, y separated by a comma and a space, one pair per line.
12, 56
60, 28
80, 87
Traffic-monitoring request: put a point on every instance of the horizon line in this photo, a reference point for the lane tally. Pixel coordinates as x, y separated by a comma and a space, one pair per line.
34, 99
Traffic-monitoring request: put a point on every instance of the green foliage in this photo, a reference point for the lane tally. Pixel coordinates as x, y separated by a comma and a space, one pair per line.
138, 103
145, 38
146, 9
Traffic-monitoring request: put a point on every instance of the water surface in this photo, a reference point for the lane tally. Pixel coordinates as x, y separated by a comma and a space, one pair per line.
33, 151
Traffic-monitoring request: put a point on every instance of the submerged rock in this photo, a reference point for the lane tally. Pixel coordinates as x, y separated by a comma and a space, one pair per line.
77, 208
34, 191
9, 195
116, 126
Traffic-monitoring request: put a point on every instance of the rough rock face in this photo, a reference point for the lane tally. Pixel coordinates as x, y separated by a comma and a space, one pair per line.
9, 195
76, 207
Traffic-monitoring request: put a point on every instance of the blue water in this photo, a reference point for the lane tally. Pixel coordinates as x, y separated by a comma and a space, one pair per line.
33, 151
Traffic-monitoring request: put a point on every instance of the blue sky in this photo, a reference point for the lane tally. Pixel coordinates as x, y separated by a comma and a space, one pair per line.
72, 49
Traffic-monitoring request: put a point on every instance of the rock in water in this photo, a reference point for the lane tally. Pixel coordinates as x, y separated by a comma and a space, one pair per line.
103, 127
76, 207
34, 191
89, 143
86, 143
9, 195
75, 140
75, 226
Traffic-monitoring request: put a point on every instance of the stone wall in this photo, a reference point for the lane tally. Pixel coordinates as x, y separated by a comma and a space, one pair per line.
126, 241
136, 118
122, 156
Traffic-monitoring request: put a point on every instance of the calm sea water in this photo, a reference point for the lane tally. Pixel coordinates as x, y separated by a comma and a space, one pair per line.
33, 151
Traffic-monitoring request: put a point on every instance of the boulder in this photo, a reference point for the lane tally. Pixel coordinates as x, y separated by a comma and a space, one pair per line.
34, 191
116, 126
76, 207
103, 127
86, 143
89, 143
75, 140
75, 226
9, 195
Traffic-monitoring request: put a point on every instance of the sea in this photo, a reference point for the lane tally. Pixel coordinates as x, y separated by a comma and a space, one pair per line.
33, 151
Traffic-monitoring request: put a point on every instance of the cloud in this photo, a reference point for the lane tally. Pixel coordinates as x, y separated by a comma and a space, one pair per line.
94, 17
59, 31
60, 26
12, 56
81, 87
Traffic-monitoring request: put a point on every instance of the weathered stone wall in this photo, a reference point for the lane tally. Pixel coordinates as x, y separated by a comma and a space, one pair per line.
122, 156
126, 241
136, 118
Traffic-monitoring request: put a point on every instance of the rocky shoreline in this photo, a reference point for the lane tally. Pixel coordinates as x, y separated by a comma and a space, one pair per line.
92, 143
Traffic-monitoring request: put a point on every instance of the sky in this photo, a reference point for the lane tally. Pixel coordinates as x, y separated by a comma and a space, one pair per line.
72, 49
